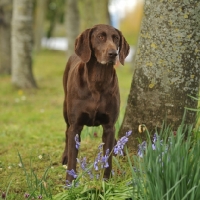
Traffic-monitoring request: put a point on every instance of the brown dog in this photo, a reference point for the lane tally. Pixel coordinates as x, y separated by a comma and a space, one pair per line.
91, 88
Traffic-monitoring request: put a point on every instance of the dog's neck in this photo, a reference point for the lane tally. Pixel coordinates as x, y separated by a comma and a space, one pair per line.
100, 76
100, 73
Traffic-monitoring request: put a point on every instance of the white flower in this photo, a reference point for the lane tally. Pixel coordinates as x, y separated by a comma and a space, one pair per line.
41, 110
9, 167
40, 157
17, 100
20, 164
65, 166
23, 98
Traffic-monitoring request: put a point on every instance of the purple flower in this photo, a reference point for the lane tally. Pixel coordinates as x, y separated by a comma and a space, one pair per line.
118, 148
3, 195
104, 160
113, 172
100, 146
68, 184
141, 149
90, 174
82, 163
154, 138
96, 165
72, 173
77, 141
153, 146
97, 160
40, 197
128, 133
26, 195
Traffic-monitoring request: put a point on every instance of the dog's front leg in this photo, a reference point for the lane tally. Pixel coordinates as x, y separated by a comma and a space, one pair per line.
108, 138
65, 153
72, 149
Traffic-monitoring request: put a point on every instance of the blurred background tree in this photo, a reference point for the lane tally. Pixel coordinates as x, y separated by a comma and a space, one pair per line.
92, 13
5, 35
39, 22
72, 21
22, 44
53, 18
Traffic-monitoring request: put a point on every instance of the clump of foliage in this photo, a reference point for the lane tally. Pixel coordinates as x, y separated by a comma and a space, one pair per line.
165, 167
89, 182
168, 166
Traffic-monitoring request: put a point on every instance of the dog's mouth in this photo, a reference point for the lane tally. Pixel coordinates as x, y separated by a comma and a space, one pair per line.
111, 62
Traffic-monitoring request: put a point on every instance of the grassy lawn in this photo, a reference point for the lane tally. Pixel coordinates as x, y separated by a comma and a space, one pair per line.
32, 125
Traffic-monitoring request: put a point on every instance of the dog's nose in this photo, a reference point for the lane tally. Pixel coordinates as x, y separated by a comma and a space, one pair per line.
112, 53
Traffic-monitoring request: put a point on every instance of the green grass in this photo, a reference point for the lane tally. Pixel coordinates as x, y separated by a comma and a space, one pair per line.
31, 124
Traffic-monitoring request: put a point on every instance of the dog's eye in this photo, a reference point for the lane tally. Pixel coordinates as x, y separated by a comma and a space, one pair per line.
116, 38
101, 37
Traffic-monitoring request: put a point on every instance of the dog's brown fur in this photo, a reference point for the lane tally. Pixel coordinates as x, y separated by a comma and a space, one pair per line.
91, 88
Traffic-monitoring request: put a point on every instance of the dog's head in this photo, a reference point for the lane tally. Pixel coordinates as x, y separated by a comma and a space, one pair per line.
104, 42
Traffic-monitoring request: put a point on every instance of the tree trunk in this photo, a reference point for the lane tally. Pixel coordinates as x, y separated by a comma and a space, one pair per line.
72, 24
22, 43
5, 36
101, 12
167, 67
39, 23
93, 12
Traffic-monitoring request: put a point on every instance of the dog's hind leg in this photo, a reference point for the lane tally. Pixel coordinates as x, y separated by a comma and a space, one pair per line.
72, 131
65, 153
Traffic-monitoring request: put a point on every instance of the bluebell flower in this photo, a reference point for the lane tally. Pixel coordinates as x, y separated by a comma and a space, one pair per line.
104, 160
101, 160
141, 149
101, 146
154, 138
118, 148
26, 195
128, 133
68, 184
96, 165
72, 173
113, 172
153, 146
77, 141
82, 163
3, 195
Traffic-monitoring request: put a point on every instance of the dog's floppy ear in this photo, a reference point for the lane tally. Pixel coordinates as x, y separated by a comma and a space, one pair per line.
82, 46
123, 48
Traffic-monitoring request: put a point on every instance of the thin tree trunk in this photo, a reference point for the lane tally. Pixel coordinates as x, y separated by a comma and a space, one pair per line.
167, 67
93, 12
101, 12
5, 36
39, 23
22, 44
72, 24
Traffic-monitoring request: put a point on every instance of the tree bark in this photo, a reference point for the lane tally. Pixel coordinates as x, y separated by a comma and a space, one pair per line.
39, 23
167, 67
5, 36
72, 24
93, 12
22, 44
